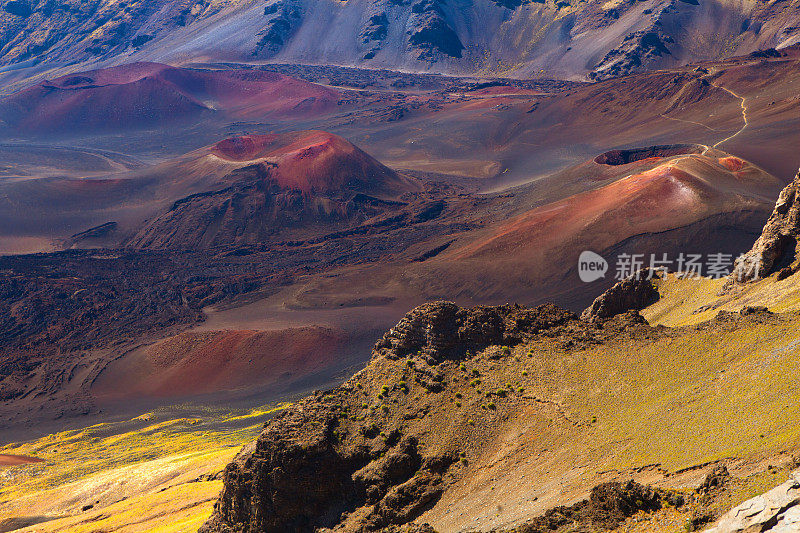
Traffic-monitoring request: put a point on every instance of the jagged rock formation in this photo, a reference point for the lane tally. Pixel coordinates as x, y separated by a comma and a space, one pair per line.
333, 461
433, 35
633, 293
442, 329
716, 479
776, 248
775, 511
299, 475
284, 17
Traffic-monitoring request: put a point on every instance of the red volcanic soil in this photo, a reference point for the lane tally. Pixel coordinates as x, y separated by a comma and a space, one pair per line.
670, 195
150, 95
212, 361
314, 162
734, 164
246, 147
663, 191
11, 460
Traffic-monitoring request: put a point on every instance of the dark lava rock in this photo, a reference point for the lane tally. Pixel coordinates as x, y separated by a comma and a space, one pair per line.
633, 293
608, 505
18, 8
624, 157
302, 474
716, 479
437, 35
441, 330
432, 33
377, 28
611, 503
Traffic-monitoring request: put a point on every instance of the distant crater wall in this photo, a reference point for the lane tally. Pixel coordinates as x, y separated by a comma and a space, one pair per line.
623, 157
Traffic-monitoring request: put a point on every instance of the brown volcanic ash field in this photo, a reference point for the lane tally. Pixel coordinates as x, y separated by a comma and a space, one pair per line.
306, 220
200, 362
150, 94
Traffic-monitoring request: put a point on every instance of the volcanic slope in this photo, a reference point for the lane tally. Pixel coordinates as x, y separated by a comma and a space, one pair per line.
486, 418
766, 276
152, 95
557, 39
306, 180
672, 199
460, 409
293, 180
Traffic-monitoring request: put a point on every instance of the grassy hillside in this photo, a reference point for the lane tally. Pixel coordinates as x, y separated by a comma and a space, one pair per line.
692, 301
535, 425
151, 473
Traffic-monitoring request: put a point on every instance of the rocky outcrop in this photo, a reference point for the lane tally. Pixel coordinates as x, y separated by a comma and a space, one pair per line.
776, 248
284, 19
609, 504
776, 511
442, 329
716, 479
433, 36
363, 457
633, 293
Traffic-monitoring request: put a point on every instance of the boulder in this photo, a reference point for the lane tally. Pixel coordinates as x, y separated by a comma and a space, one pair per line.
777, 510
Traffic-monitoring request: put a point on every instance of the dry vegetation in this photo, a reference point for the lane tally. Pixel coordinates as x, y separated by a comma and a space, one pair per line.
532, 426
151, 473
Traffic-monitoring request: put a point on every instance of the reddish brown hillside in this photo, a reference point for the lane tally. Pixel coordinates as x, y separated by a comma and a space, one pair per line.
149, 95
309, 181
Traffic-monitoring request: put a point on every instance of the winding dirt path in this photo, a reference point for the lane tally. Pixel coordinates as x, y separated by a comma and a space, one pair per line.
743, 103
